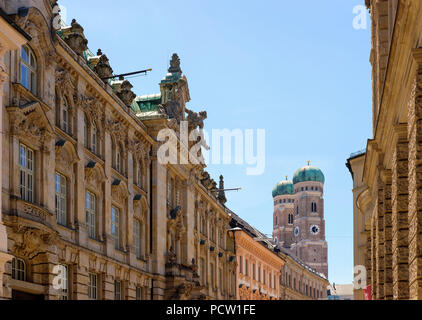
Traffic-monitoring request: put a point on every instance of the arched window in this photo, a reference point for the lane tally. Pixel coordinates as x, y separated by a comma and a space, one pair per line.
94, 139
139, 175
314, 207
65, 116
297, 210
18, 269
137, 238
28, 69
86, 136
113, 153
276, 221
119, 160
290, 218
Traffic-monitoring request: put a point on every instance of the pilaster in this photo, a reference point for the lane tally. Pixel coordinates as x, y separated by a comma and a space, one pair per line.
380, 244
400, 201
415, 183
388, 236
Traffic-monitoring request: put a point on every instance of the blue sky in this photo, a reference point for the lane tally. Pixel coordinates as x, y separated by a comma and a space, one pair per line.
297, 69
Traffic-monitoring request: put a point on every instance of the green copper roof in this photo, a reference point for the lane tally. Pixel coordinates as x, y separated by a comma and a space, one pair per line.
308, 173
283, 188
172, 77
146, 103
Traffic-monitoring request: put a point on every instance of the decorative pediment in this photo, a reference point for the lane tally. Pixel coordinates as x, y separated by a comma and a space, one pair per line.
119, 190
138, 150
94, 173
66, 154
30, 120
30, 241
118, 130
32, 21
64, 83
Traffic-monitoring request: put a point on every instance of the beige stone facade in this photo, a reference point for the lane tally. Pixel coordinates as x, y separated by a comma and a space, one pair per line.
299, 282
86, 201
388, 197
355, 164
267, 271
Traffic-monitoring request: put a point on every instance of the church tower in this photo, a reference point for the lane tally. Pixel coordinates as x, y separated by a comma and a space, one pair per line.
284, 200
299, 225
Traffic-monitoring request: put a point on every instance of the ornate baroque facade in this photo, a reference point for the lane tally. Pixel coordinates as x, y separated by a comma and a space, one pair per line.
387, 184
84, 194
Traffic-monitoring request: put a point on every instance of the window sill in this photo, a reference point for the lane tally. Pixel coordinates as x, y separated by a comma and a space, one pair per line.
66, 135
25, 286
65, 227
95, 240
97, 158
28, 93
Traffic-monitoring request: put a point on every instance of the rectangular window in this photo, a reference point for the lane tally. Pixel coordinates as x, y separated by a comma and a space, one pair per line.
212, 275
202, 270
247, 267
169, 192
139, 293
18, 269
220, 280
93, 286
254, 272
65, 119
117, 290
137, 238
177, 197
119, 160
61, 199
139, 175
94, 140
90, 207
26, 173
115, 226
64, 282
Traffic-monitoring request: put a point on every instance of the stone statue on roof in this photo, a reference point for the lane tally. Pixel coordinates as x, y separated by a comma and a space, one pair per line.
196, 119
175, 64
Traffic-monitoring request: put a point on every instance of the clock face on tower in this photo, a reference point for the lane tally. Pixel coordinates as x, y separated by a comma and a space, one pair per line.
315, 229
296, 232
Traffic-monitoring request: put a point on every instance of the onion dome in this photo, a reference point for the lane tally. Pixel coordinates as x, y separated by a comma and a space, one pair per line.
283, 188
308, 173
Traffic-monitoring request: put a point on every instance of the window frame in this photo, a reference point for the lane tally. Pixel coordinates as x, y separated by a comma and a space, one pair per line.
64, 292
118, 292
92, 286
31, 82
137, 243
19, 271
91, 214
65, 119
62, 197
27, 189
94, 139
116, 224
